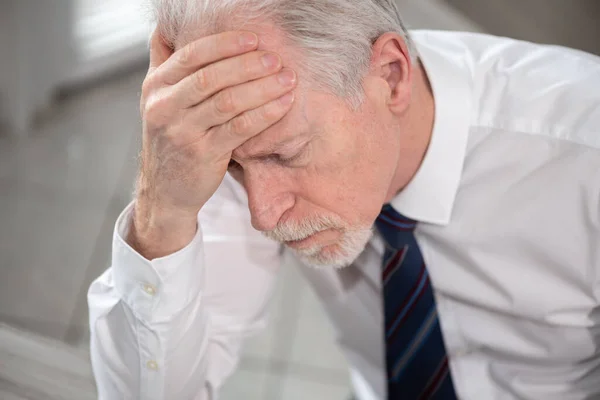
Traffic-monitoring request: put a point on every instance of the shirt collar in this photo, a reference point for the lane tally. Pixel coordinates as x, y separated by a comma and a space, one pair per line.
429, 196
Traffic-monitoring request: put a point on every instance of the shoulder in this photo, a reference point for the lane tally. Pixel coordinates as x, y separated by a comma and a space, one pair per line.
527, 87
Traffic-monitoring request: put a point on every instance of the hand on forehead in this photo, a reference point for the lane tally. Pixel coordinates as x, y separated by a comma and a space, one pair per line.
285, 131
294, 125
292, 130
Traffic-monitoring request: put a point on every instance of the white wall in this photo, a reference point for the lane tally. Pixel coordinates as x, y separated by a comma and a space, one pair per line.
108, 34
45, 44
7, 60
36, 46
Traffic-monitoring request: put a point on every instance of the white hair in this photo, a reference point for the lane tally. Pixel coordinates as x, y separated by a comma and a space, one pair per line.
336, 36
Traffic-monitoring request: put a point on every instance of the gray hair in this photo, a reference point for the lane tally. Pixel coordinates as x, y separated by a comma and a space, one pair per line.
336, 36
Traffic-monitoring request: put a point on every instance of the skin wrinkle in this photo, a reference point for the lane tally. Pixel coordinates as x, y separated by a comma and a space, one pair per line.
357, 159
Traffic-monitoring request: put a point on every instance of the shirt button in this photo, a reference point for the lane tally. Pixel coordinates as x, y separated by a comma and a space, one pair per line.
152, 365
151, 290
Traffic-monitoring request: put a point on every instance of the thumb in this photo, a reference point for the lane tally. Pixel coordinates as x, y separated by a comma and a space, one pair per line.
160, 51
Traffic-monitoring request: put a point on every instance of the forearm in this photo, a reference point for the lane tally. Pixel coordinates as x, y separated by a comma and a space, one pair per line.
149, 323
158, 360
188, 311
157, 232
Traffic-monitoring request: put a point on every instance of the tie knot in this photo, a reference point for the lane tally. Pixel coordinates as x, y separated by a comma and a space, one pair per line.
391, 217
395, 228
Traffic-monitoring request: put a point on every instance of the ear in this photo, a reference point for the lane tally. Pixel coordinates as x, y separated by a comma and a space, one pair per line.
391, 62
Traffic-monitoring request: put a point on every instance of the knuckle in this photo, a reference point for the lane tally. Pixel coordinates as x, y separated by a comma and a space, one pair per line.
200, 80
152, 104
241, 125
154, 110
148, 85
249, 65
174, 139
186, 56
224, 103
270, 112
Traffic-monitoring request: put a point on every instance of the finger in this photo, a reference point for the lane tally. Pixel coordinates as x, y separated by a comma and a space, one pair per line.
204, 51
231, 102
205, 82
245, 126
160, 51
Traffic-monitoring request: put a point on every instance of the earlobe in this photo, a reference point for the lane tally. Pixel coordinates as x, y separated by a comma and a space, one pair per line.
391, 62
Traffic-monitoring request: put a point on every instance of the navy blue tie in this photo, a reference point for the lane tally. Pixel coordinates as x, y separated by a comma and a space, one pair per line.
416, 360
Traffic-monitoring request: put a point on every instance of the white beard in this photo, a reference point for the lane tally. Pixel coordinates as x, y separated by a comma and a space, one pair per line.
338, 255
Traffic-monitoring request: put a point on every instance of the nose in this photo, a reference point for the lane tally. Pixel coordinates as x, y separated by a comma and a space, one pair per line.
268, 199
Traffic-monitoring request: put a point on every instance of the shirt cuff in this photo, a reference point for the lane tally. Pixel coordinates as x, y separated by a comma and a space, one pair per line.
159, 289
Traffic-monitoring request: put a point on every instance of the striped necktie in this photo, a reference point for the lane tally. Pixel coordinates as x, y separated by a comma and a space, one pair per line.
416, 360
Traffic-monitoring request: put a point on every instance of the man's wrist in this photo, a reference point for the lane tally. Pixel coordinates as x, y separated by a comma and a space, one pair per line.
157, 232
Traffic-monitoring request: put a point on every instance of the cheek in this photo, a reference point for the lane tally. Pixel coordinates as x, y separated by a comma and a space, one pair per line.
358, 167
359, 179
347, 172
342, 186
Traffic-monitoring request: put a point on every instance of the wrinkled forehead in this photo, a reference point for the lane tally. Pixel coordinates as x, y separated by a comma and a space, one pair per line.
297, 121
295, 124
291, 129
271, 38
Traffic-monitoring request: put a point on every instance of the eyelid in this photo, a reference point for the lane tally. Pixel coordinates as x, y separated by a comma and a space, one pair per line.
288, 159
295, 157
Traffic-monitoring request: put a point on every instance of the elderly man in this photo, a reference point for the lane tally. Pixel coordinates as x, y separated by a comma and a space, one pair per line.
442, 190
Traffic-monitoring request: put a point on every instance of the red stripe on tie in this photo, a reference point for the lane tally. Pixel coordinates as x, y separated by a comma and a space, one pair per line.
436, 381
401, 228
406, 300
401, 219
393, 262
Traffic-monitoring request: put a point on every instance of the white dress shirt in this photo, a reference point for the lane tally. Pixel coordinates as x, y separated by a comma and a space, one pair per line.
508, 199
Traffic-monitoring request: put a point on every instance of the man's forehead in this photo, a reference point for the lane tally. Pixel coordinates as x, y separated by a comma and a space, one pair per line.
271, 38
294, 125
292, 129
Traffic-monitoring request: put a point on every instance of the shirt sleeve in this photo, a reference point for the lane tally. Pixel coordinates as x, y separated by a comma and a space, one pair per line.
172, 328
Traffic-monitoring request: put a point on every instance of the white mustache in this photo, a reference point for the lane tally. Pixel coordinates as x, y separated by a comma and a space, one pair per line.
292, 231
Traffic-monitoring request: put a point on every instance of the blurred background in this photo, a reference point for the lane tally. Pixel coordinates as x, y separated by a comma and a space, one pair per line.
70, 76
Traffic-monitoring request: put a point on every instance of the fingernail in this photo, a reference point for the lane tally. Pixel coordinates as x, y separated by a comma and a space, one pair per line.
287, 99
287, 77
270, 60
248, 39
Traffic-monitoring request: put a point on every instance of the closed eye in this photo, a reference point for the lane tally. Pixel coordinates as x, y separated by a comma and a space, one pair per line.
285, 160
289, 161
